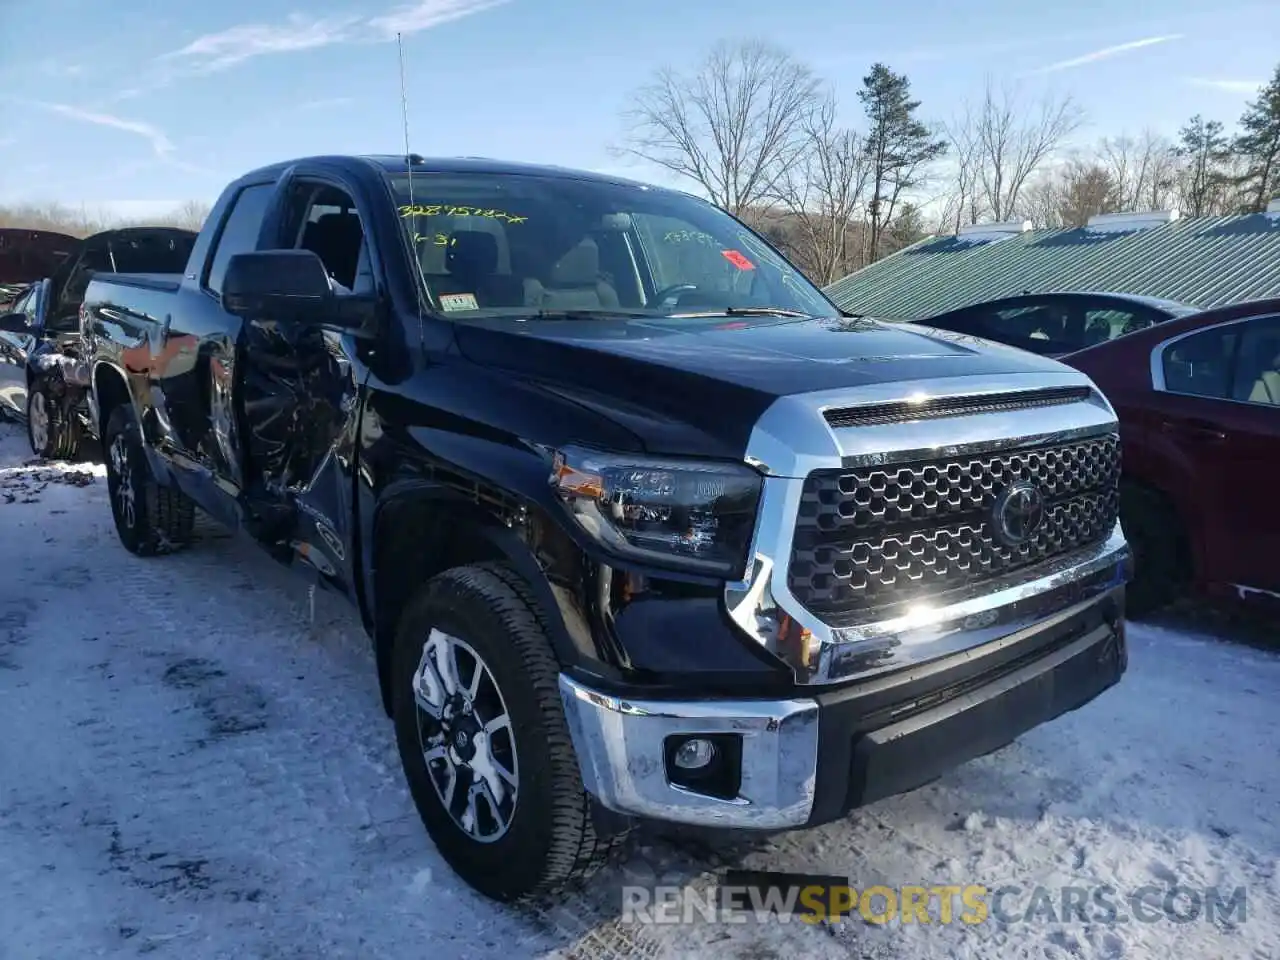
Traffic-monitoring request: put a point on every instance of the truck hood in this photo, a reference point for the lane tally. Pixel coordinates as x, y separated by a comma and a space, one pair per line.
699, 385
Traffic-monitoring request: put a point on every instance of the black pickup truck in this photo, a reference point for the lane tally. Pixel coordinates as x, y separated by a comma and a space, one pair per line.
639, 525
43, 379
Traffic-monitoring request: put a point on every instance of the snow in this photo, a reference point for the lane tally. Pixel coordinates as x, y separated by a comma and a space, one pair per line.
191, 768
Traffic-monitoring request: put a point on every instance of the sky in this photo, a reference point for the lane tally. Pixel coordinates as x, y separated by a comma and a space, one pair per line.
133, 108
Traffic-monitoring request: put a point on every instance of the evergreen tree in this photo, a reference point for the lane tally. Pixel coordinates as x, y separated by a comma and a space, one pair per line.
1205, 148
899, 146
1258, 144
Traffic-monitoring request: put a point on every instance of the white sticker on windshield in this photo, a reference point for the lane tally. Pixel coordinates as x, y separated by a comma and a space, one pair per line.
458, 301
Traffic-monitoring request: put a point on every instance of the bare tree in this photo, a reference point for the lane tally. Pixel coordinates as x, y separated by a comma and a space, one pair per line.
1014, 141
1144, 170
734, 127
1041, 200
965, 203
823, 192
81, 223
190, 216
1086, 188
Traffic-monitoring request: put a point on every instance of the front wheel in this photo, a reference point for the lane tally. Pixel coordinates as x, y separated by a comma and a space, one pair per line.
483, 738
52, 433
150, 519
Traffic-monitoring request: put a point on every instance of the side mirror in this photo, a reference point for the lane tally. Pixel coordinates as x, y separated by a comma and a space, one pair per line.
14, 323
277, 285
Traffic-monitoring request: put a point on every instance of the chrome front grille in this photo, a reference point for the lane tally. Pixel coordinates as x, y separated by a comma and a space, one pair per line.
870, 541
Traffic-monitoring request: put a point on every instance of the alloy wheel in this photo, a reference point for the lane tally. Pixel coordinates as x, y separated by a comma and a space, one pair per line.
466, 737
123, 470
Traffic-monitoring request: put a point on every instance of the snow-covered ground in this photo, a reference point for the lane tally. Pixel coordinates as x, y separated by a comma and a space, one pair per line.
191, 768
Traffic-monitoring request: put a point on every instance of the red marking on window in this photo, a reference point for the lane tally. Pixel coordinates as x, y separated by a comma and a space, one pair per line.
737, 259
735, 325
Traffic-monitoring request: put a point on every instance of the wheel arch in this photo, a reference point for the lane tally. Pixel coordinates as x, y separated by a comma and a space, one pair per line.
424, 530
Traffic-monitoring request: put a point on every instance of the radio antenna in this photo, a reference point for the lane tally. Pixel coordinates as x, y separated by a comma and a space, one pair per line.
404, 109
408, 162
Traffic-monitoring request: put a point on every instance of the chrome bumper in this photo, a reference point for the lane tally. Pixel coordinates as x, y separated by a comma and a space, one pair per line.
620, 748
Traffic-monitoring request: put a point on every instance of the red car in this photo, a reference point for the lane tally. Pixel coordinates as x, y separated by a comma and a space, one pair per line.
1199, 405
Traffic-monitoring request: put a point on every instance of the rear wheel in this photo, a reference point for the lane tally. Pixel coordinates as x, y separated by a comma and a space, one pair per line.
1161, 560
483, 738
52, 434
150, 519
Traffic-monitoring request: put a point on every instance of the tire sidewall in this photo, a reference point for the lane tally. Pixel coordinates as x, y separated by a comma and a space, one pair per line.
516, 860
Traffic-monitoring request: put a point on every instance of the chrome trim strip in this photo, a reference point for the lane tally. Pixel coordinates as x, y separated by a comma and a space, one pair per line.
620, 749
793, 439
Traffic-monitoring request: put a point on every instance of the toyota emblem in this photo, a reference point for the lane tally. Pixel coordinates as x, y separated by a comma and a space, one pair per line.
1018, 513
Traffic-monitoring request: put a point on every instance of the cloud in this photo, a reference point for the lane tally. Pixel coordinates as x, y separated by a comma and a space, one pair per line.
1107, 53
218, 51
425, 14
227, 48
1228, 86
160, 143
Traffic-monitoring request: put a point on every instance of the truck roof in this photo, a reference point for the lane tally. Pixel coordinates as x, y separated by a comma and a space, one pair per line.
400, 164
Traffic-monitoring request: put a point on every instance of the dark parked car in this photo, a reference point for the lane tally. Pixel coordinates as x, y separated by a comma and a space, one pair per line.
1199, 406
27, 256
42, 379
1056, 324
639, 526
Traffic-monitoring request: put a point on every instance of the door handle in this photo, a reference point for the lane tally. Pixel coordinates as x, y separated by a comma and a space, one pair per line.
1204, 430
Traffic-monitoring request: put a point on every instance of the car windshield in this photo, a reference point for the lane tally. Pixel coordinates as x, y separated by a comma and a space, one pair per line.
494, 245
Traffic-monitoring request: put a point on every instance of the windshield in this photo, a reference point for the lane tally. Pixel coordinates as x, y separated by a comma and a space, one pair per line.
512, 245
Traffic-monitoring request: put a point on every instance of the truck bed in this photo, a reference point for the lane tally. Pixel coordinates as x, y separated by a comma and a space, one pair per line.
159, 282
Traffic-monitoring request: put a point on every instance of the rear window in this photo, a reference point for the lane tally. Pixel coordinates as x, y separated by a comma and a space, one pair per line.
150, 254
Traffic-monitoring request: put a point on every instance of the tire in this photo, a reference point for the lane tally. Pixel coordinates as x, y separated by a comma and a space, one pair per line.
550, 840
150, 519
1161, 566
52, 435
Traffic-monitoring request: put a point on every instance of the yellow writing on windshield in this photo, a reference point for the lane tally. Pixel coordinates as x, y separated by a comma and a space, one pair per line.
438, 239
447, 210
689, 236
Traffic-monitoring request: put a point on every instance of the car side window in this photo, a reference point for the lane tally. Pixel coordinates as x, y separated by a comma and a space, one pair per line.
1257, 367
1101, 325
1201, 365
324, 220
239, 233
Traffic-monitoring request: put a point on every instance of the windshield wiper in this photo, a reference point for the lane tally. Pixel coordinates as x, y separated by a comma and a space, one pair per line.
743, 312
601, 314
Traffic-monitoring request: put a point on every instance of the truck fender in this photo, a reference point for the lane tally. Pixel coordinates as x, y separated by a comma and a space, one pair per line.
448, 530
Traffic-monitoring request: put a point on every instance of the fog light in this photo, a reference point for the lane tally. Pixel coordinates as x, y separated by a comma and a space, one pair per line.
694, 754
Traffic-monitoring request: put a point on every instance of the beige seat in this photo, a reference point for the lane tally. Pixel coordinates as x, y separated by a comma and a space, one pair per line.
1266, 389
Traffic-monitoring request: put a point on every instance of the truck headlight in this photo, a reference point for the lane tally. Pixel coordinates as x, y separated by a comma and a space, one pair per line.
696, 515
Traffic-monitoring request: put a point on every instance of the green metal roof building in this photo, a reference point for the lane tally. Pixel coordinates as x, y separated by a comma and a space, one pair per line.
1201, 261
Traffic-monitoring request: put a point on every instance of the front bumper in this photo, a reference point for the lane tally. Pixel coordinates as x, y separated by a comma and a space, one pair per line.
810, 760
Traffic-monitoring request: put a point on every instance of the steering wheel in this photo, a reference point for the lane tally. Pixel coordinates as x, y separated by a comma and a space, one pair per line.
669, 293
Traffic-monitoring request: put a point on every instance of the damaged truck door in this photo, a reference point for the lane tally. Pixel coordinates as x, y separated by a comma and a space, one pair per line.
303, 304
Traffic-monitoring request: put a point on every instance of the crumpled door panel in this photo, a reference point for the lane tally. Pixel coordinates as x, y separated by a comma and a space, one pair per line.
292, 406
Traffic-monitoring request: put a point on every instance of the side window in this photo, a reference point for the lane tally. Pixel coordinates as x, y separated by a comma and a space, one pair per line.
1107, 324
1201, 365
329, 226
1257, 372
239, 232
25, 304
